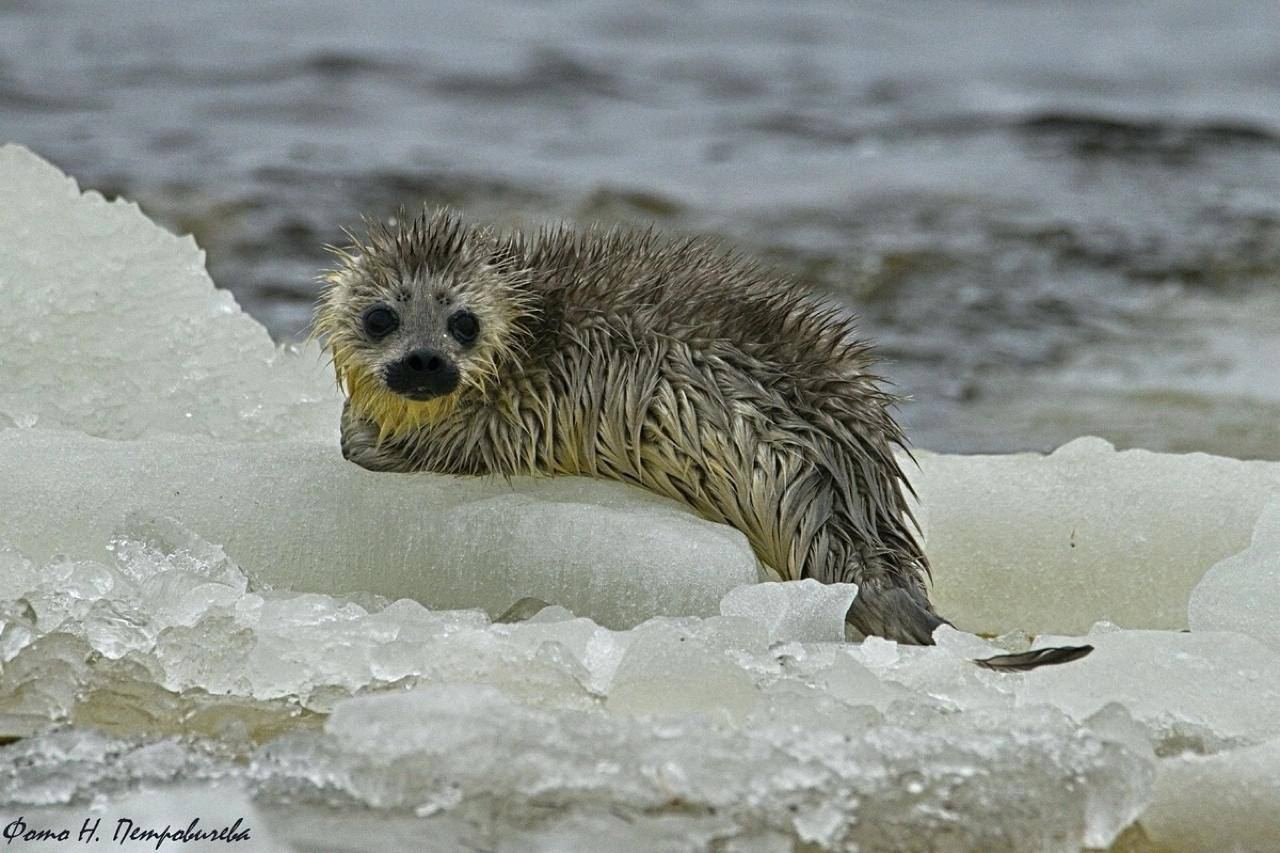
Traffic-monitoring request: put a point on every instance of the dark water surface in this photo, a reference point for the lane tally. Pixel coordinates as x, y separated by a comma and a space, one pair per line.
1056, 218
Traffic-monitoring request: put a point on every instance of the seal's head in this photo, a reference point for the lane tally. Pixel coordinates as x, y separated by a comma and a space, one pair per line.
419, 313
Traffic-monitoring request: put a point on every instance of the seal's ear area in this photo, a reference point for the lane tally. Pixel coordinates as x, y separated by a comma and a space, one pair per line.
895, 613
1026, 661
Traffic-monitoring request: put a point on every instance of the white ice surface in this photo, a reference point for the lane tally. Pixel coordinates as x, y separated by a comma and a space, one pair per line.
112, 327
827, 742
806, 610
1058, 542
1228, 801
193, 579
1242, 593
1202, 690
296, 514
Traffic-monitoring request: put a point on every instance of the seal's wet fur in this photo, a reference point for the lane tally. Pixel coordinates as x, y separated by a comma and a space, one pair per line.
674, 365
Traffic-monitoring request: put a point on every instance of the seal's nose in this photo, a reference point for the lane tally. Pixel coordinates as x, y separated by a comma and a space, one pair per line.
422, 374
424, 362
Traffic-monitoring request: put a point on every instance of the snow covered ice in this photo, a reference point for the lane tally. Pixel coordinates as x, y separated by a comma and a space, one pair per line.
204, 609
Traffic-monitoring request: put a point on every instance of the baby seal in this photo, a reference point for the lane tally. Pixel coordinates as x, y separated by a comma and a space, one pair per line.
673, 365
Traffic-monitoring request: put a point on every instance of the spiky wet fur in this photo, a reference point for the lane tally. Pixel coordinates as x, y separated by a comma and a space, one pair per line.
673, 365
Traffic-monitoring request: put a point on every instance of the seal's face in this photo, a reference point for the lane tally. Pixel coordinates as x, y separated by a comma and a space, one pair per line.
418, 317
417, 342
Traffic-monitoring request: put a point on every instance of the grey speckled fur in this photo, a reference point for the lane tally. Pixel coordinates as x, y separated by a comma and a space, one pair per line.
673, 365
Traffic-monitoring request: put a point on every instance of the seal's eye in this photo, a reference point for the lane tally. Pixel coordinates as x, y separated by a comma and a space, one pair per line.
380, 321
464, 327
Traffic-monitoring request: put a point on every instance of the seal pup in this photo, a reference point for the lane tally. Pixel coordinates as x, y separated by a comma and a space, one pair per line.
673, 365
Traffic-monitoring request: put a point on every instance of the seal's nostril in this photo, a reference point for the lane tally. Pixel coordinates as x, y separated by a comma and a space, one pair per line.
425, 363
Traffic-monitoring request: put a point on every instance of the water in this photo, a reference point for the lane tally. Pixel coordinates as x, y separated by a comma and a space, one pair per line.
1055, 218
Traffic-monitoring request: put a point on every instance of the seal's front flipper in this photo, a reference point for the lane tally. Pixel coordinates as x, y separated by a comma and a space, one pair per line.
1024, 661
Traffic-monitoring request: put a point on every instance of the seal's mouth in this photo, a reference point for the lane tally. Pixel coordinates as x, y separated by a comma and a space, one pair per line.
422, 396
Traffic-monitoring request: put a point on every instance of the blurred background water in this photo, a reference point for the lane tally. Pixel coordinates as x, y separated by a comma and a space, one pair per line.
1055, 217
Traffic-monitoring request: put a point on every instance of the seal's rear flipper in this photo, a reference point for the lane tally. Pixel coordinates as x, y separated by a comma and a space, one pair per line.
1024, 661
895, 614
904, 615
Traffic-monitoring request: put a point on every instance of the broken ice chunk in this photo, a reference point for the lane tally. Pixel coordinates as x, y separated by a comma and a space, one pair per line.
145, 343
1055, 543
1242, 593
805, 611
1198, 691
666, 672
1211, 803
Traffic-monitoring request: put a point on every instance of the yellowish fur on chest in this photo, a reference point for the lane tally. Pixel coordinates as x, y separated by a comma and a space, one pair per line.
395, 415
